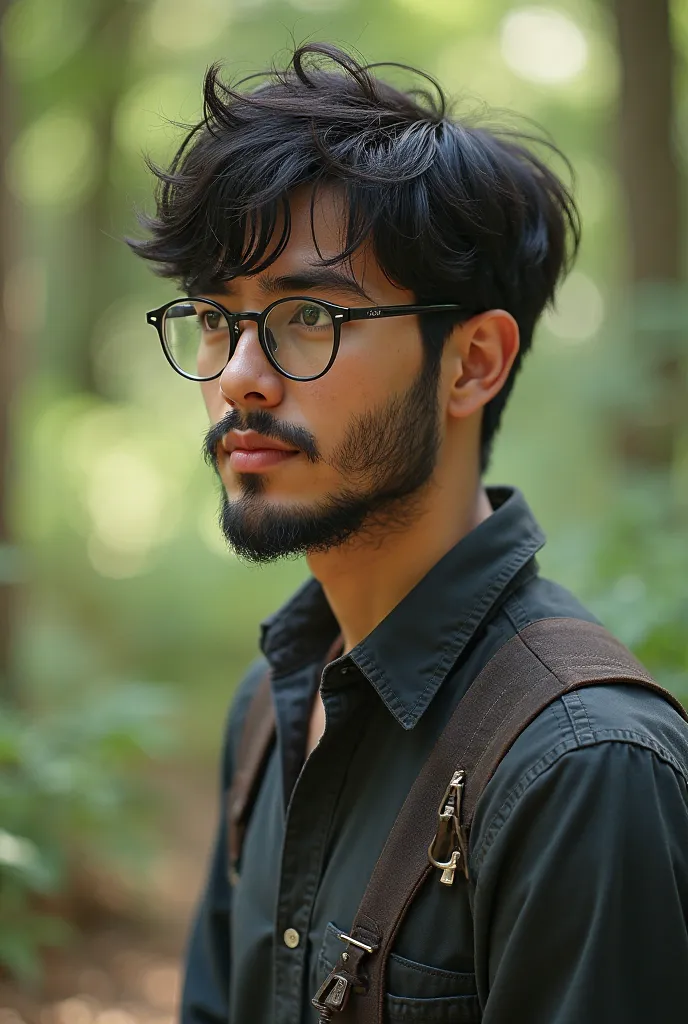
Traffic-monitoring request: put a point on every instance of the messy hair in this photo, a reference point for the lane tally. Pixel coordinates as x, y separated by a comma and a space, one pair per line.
453, 212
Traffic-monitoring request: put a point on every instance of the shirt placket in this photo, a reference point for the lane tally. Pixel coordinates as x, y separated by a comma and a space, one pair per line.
307, 827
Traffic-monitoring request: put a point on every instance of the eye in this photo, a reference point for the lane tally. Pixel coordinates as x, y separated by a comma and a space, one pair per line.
211, 319
311, 316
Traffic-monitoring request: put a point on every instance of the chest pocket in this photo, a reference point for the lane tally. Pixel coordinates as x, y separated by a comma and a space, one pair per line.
415, 992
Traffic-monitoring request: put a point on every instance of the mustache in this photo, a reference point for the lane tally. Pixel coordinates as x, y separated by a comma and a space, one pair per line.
264, 423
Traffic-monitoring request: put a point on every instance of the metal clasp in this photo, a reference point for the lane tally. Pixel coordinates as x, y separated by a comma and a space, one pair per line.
343, 937
447, 848
333, 994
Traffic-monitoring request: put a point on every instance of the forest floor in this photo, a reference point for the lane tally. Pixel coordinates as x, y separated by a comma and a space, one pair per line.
124, 967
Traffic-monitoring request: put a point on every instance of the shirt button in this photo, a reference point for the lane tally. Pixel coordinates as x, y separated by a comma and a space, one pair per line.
291, 938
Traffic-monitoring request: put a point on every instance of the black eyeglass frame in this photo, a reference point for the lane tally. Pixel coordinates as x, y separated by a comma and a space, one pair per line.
339, 314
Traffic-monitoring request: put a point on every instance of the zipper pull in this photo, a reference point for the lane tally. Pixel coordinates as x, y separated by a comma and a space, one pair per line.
332, 996
447, 848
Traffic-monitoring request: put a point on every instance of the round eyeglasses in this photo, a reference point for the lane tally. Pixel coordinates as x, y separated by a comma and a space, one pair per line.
299, 335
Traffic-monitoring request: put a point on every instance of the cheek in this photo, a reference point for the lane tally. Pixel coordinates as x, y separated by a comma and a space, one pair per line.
332, 401
212, 399
367, 372
377, 360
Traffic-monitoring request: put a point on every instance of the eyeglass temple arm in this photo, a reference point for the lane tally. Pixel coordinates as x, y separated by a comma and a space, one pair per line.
379, 312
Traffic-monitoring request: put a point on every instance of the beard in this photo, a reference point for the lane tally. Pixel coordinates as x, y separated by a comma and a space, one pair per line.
387, 457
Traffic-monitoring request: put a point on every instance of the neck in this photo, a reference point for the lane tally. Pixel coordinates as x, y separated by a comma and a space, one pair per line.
367, 577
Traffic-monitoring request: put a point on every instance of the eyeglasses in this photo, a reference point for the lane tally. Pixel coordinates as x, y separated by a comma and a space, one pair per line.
299, 335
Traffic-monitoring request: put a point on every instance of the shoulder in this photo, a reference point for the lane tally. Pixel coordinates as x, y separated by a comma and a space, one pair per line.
541, 598
610, 745
619, 712
614, 713
582, 739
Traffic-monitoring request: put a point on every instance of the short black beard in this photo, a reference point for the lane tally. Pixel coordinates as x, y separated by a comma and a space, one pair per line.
388, 456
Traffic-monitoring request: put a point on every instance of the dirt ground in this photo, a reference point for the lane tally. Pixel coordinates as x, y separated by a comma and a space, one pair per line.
118, 976
125, 965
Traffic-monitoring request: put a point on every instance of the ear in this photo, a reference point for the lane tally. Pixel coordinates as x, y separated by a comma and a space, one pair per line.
479, 354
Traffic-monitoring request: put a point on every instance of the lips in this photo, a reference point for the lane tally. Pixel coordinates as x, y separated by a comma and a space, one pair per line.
249, 440
250, 452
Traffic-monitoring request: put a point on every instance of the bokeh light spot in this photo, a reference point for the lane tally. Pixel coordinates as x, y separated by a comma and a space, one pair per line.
160, 985
114, 1015
126, 500
453, 12
145, 114
579, 310
40, 37
172, 26
543, 45
54, 160
16, 851
10, 1016
317, 6
76, 1010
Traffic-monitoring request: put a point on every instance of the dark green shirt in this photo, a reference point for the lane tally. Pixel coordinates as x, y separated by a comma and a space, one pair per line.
579, 848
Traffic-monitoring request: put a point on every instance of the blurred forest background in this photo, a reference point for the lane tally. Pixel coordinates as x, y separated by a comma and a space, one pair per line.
124, 622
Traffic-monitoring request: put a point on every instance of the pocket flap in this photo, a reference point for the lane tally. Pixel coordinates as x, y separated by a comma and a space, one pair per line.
415, 992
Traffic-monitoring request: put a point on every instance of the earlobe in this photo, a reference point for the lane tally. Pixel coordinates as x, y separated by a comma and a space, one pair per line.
481, 353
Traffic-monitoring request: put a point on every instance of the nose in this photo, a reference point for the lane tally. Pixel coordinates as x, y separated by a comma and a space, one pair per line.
248, 379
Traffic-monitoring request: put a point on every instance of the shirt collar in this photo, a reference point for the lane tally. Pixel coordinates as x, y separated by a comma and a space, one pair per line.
408, 655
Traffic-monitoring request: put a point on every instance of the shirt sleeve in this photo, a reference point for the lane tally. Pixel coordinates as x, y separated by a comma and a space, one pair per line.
205, 993
581, 898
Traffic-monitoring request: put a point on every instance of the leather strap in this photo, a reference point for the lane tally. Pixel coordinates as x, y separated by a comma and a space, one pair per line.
546, 660
257, 737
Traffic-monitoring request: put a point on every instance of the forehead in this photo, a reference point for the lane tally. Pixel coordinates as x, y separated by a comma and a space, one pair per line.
318, 227
316, 236
311, 262
318, 221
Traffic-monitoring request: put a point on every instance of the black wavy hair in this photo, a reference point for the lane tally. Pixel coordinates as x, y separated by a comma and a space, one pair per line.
454, 212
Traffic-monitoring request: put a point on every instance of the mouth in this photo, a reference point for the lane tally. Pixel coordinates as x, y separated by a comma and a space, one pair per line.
249, 452
257, 460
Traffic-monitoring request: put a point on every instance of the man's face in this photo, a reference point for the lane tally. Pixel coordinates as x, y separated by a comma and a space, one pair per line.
354, 448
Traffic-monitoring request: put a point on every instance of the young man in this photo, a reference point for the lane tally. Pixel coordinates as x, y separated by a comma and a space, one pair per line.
364, 273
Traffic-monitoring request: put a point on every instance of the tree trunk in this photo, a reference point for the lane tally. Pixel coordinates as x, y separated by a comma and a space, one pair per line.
650, 178
94, 232
7, 388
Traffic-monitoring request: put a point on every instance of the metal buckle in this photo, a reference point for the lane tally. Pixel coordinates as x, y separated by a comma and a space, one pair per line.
354, 942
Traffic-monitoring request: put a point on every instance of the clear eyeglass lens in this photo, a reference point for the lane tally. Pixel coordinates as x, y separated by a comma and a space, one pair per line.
300, 337
197, 338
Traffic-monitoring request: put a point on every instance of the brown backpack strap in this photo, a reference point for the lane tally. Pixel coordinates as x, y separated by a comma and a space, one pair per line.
256, 740
546, 660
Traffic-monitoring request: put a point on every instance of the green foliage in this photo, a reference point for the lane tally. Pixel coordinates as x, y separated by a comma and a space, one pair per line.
68, 788
631, 568
123, 571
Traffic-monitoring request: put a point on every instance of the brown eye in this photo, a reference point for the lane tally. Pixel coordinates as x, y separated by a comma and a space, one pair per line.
211, 319
311, 316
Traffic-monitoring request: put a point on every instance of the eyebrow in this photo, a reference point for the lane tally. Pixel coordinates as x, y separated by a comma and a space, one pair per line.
301, 282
